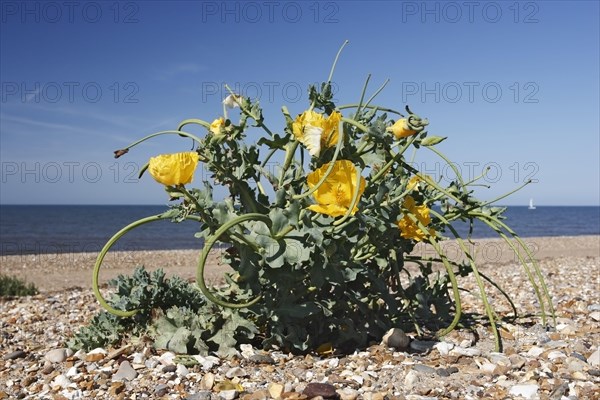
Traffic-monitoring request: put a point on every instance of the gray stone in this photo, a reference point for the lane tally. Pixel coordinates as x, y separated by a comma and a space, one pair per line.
452, 370
235, 372
559, 391
594, 307
594, 358
125, 372
261, 359
422, 346
442, 372
169, 368
161, 390
396, 338
14, 355
425, 369
202, 395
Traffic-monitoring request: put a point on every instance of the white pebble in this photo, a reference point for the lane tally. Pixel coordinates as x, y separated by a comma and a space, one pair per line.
535, 351
444, 348
61, 381
56, 355
555, 354
594, 358
182, 371
470, 352
167, 358
527, 391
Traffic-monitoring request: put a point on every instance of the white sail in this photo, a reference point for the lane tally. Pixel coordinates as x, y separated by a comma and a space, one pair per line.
531, 206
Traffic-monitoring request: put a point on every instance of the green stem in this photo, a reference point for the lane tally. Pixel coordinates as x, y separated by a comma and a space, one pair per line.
107, 247
290, 151
452, 277
337, 56
377, 91
451, 164
362, 96
355, 123
354, 200
180, 133
206, 251
193, 121
484, 299
394, 159
496, 224
384, 109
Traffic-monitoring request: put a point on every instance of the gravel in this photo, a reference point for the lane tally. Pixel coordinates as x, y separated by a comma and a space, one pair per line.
558, 363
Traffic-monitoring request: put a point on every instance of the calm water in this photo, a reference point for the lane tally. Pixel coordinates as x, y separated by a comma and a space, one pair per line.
66, 229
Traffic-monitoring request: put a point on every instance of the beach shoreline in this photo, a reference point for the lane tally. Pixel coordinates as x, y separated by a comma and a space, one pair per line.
59, 271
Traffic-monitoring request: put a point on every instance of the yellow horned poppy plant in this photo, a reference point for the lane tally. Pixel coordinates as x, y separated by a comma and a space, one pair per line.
335, 194
408, 228
315, 131
173, 169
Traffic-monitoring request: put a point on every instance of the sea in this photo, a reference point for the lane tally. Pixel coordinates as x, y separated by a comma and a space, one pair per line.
52, 229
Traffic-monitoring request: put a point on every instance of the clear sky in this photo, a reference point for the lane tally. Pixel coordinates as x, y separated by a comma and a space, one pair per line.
514, 85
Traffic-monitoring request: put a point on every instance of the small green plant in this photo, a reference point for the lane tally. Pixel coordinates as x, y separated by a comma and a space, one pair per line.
322, 245
13, 286
173, 313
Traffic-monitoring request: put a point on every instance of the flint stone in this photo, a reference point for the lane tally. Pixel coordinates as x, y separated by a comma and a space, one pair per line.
125, 372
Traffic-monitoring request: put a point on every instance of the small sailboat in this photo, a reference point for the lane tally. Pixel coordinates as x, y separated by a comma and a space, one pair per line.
531, 206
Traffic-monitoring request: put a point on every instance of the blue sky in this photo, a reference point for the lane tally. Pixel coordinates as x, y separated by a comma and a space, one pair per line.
514, 85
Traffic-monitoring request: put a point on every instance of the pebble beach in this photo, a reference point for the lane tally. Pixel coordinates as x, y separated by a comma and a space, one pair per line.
562, 362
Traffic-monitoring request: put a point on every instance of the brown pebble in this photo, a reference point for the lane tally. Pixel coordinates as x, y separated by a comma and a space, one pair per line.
116, 388
48, 369
94, 357
325, 390
28, 381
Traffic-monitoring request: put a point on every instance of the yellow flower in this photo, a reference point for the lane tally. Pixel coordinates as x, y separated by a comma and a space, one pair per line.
315, 131
401, 129
408, 228
335, 194
173, 169
216, 126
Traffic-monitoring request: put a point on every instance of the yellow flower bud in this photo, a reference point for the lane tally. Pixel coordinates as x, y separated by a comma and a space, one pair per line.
173, 169
216, 126
401, 129
409, 228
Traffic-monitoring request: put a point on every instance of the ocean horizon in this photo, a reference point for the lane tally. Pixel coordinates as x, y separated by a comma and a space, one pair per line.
52, 229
